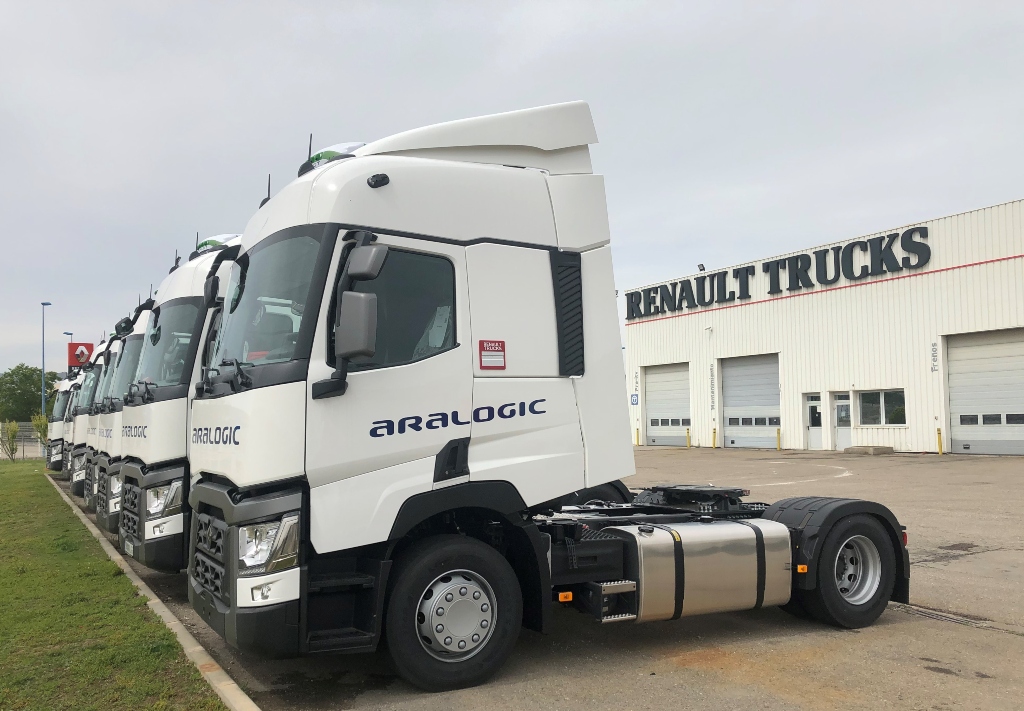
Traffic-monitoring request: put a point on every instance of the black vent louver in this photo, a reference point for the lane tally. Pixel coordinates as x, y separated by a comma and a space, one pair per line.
567, 278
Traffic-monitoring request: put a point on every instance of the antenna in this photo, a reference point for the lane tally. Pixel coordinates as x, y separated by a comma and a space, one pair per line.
265, 200
151, 291
197, 240
310, 147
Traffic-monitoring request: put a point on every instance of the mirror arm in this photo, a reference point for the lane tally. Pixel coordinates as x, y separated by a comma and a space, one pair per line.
337, 384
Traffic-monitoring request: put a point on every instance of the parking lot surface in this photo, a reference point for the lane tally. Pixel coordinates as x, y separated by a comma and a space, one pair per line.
958, 646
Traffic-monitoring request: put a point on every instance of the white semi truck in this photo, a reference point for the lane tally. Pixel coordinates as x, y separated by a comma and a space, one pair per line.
154, 472
107, 463
69, 425
94, 439
92, 372
55, 426
419, 356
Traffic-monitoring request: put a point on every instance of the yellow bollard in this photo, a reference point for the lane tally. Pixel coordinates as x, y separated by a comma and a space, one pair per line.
778, 439
637, 436
714, 438
687, 437
938, 435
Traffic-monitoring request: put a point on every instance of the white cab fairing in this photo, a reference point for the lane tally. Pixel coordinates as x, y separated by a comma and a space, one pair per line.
252, 437
154, 432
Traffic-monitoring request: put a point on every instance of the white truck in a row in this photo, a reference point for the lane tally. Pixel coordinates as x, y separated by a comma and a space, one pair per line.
394, 409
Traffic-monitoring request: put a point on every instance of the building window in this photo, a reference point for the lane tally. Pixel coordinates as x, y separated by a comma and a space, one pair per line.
774, 421
760, 421
886, 407
675, 423
968, 419
747, 421
664, 423
843, 397
734, 421
1015, 419
814, 398
654, 423
686, 422
991, 419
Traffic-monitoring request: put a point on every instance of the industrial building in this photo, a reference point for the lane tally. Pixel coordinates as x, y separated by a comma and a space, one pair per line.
912, 338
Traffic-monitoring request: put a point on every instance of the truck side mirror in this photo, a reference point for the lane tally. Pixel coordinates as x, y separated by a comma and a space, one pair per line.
356, 334
211, 289
364, 263
123, 327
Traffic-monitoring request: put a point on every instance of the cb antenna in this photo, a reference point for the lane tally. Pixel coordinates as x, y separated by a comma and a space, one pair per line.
265, 200
308, 157
308, 165
197, 240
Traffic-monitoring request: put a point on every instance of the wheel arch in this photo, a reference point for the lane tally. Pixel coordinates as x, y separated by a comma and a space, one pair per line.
526, 550
810, 518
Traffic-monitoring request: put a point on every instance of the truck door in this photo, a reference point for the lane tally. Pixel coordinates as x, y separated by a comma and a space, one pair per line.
375, 446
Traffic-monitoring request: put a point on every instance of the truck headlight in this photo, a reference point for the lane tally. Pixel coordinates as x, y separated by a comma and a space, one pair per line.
266, 547
163, 500
115, 485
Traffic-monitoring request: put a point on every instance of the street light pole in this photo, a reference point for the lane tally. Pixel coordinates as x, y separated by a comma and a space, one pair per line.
70, 335
42, 374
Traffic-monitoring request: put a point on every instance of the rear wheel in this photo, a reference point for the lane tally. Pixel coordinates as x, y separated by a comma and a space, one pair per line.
856, 574
453, 613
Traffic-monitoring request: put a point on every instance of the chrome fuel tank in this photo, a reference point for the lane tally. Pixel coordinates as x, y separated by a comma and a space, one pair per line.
684, 569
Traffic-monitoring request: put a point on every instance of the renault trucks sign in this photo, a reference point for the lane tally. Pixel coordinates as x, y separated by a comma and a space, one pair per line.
850, 262
79, 354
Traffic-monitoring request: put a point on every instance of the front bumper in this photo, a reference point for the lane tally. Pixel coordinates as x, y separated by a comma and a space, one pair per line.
108, 508
253, 613
156, 543
55, 456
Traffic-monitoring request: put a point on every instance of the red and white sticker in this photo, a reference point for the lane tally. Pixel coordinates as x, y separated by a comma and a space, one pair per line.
492, 355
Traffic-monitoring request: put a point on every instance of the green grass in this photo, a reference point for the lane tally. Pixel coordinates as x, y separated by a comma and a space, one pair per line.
74, 633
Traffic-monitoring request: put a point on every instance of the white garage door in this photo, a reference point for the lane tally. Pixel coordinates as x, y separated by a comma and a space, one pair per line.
986, 392
750, 400
667, 403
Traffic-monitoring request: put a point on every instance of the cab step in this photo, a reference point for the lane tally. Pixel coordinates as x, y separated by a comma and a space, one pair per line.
346, 638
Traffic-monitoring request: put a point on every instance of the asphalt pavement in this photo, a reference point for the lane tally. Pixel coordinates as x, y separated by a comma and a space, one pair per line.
959, 645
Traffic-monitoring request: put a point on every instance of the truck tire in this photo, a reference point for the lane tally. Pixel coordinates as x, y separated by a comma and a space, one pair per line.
856, 574
454, 611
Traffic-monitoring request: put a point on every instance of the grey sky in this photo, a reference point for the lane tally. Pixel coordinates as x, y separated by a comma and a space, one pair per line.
728, 131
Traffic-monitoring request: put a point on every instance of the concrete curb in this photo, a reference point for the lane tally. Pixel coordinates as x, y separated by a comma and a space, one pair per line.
228, 691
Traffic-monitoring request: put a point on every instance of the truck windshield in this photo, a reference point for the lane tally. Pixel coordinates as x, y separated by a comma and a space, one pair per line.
60, 405
127, 365
166, 344
92, 378
267, 295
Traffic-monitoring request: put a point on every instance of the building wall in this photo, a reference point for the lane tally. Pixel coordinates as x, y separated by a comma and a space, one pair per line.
881, 332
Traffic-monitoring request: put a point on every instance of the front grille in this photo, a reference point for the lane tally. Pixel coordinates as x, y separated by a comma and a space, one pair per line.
130, 496
211, 536
129, 523
209, 575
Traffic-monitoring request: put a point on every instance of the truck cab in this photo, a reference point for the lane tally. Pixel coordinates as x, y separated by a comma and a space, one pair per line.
419, 358
108, 462
55, 426
92, 373
95, 440
154, 470
69, 424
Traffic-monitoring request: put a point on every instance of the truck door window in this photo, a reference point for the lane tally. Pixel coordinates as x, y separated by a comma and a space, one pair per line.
415, 309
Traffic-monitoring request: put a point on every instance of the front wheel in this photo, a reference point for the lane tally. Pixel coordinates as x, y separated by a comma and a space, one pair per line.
856, 574
453, 613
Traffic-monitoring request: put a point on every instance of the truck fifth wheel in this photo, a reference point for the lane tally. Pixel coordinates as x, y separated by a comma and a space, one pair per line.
419, 360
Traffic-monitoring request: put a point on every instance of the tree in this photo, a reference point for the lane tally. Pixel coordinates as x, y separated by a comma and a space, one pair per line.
41, 424
19, 393
9, 439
